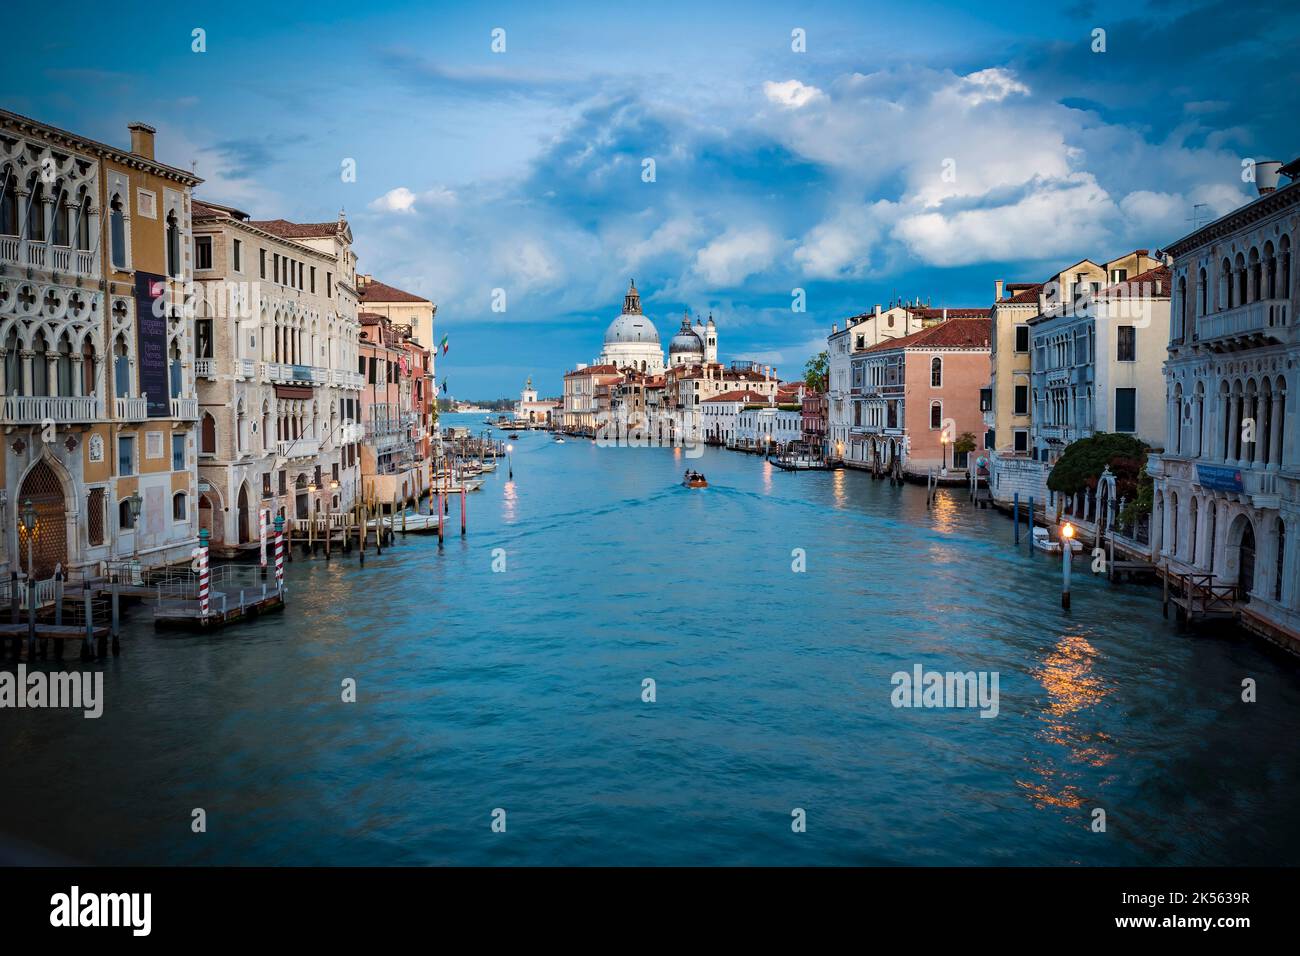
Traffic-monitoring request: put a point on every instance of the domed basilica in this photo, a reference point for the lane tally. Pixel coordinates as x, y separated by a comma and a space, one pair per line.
631, 341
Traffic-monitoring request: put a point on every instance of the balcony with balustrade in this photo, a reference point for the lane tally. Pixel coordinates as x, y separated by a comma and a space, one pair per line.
59, 409
185, 409
205, 368
1253, 323
297, 449
25, 253
130, 409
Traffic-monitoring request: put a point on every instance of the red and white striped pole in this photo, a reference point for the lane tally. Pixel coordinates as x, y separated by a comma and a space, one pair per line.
204, 599
279, 553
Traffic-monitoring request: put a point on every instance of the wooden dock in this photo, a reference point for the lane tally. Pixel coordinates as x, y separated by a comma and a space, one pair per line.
222, 612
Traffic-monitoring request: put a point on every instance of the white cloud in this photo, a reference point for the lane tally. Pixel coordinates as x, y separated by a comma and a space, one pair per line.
402, 200
791, 94
736, 254
1052, 219
989, 86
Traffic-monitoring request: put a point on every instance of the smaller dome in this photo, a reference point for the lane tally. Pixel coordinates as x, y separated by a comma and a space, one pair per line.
686, 340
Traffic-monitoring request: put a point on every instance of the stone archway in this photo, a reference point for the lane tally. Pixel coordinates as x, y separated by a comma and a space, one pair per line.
1239, 563
211, 518
241, 515
45, 489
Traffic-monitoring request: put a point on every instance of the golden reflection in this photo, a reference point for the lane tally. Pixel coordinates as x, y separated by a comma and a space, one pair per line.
1073, 691
945, 513
768, 471
839, 488
509, 502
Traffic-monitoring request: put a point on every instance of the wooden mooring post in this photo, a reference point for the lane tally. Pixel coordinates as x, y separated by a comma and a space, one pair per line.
88, 645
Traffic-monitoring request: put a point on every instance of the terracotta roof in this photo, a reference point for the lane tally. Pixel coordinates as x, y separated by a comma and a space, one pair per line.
1145, 284
593, 370
376, 291
952, 313
953, 334
740, 396
1025, 292
296, 230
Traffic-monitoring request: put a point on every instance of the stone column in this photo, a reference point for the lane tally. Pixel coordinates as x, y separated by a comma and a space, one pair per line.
1276, 414
27, 355
1234, 430
78, 371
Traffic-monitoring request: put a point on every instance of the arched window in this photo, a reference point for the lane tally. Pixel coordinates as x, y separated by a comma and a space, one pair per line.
9, 204
1285, 268
1184, 331
1225, 285
1256, 284
63, 366
1203, 290
179, 509
1241, 290
40, 366
36, 213
13, 364
936, 372
83, 224
173, 245
1270, 271
208, 435
60, 214
1279, 577
936, 414
124, 520
117, 232
174, 370
87, 368
121, 368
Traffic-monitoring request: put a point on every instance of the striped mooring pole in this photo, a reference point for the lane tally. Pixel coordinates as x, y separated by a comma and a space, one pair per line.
263, 516
279, 553
205, 602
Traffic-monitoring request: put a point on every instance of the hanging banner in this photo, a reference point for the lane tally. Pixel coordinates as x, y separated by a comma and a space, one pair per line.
151, 342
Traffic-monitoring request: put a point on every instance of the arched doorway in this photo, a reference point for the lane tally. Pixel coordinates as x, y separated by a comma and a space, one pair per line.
210, 518
44, 489
1246, 562
242, 514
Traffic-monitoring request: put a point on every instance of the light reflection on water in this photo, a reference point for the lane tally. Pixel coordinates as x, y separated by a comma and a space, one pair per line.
523, 690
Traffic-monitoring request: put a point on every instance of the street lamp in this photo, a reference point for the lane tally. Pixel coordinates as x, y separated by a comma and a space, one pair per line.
29, 525
134, 502
943, 442
1067, 538
510, 463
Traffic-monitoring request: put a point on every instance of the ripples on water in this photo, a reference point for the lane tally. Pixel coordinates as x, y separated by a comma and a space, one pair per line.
522, 690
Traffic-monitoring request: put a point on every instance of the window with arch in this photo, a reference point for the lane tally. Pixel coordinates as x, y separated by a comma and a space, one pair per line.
124, 520
936, 414
117, 232
173, 245
121, 368
1203, 284
208, 435
59, 225
1279, 577
936, 372
36, 212
180, 502
1285, 268
40, 367
83, 225
9, 204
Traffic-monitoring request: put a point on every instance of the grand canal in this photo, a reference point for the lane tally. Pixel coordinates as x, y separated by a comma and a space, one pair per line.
522, 690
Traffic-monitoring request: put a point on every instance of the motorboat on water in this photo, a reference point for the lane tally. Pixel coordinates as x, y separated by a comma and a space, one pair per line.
559, 440
693, 479
1042, 540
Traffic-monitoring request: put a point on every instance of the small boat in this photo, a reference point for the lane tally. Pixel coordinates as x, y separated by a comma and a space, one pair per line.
559, 440
695, 480
513, 436
1043, 542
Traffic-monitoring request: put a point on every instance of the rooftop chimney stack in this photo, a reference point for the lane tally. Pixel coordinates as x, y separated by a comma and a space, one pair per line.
142, 140
877, 310
997, 291
1266, 171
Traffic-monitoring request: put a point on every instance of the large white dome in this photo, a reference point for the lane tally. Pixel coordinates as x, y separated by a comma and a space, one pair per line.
631, 328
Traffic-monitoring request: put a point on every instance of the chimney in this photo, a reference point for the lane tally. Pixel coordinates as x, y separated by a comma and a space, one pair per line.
834, 328
1266, 171
142, 140
877, 310
997, 291
945, 313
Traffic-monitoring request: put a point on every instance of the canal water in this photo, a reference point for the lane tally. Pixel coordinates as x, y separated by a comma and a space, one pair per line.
522, 689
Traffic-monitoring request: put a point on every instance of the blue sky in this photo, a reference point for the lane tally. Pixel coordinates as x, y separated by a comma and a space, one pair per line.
775, 170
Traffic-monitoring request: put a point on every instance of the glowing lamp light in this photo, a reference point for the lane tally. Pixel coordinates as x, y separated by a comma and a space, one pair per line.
1067, 531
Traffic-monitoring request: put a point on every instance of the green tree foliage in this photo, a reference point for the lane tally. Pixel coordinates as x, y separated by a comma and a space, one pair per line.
816, 373
1083, 461
965, 443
